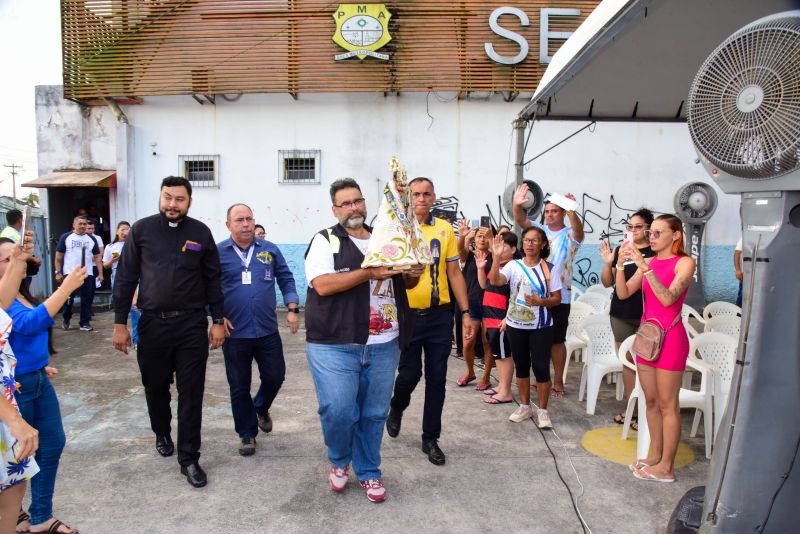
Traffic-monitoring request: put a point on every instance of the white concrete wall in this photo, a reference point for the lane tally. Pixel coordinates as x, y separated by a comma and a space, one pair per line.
69, 137
463, 145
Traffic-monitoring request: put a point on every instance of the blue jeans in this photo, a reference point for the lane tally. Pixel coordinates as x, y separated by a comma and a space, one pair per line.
87, 294
239, 354
354, 385
38, 405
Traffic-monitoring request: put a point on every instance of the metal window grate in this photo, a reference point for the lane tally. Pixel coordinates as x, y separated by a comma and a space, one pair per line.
300, 166
201, 171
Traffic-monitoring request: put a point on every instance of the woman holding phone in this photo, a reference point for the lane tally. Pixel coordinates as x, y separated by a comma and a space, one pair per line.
626, 313
18, 439
664, 280
36, 397
535, 287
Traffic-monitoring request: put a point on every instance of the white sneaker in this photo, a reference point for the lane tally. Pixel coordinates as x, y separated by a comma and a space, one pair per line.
544, 419
523, 412
338, 478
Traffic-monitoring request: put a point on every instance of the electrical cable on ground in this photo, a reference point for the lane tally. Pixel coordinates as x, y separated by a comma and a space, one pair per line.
573, 499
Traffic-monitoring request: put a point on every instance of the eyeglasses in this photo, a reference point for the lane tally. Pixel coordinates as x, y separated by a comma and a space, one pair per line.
351, 203
632, 227
657, 233
531, 242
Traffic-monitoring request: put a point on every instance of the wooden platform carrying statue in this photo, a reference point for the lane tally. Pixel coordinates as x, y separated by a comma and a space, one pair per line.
397, 239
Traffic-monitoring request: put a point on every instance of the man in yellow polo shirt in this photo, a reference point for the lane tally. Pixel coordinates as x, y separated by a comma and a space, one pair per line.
433, 330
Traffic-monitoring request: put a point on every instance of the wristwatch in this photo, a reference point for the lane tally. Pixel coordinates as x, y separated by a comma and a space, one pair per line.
293, 310
219, 321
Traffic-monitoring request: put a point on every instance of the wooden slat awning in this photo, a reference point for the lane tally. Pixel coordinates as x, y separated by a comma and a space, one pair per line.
79, 178
141, 48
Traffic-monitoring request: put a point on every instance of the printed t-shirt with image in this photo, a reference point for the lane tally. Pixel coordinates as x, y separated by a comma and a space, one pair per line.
383, 324
562, 253
524, 280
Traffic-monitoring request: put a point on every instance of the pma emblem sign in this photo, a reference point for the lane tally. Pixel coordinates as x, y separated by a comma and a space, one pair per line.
361, 29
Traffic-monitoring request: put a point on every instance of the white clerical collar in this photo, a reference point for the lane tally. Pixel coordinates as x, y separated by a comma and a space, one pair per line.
173, 224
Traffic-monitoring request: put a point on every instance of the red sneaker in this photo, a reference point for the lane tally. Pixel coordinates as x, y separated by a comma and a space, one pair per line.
337, 478
374, 488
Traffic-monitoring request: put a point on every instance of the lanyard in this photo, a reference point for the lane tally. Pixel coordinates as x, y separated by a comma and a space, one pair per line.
245, 259
539, 289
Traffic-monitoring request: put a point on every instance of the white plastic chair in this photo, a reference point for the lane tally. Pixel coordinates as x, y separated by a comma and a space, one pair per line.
574, 345
576, 293
721, 308
701, 400
725, 324
601, 359
687, 312
719, 351
598, 301
598, 288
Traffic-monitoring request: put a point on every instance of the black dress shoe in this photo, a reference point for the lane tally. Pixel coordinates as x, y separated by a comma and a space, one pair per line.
164, 445
265, 423
435, 454
194, 474
393, 423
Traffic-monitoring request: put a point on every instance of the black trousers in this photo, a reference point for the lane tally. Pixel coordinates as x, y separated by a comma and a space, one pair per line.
433, 333
176, 346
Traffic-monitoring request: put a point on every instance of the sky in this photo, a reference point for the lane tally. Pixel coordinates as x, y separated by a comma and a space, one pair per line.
30, 55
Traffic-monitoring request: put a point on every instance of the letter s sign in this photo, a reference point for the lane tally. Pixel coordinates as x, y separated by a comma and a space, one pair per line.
502, 32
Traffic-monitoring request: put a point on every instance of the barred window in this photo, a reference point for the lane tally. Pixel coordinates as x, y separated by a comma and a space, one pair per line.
299, 166
200, 170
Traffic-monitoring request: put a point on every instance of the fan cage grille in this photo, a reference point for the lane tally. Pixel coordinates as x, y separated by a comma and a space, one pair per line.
763, 142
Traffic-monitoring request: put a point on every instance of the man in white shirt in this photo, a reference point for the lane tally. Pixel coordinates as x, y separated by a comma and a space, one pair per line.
71, 246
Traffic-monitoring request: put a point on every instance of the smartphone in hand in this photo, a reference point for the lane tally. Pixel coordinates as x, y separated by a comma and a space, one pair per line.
628, 239
83, 256
26, 219
486, 222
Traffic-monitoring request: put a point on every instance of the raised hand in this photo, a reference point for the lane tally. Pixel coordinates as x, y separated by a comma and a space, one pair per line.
521, 195
463, 227
606, 253
497, 247
480, 259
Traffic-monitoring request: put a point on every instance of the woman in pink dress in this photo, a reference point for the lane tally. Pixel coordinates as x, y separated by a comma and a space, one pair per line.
664, 280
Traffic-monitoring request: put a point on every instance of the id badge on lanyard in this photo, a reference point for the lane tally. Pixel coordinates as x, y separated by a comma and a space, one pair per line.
246, 274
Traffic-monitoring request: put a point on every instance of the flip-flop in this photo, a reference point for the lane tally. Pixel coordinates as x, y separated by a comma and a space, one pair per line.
465, 380
492, 400
490, 391
21, 518
482, 386
54, 528
556, 393
635, 465
619, 418
643, 474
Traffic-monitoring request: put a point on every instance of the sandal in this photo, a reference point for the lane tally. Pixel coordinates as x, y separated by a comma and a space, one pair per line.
21, 518
556, 393
493, 400
619, 418
54, 526
635, 424
643, 474
482, 386
638, 464
465, 380
490, 391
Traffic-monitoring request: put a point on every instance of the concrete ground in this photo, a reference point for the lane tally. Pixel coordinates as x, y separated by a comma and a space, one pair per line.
499, 476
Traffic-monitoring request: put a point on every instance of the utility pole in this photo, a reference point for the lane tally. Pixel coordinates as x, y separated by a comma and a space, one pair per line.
14, 168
